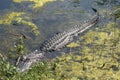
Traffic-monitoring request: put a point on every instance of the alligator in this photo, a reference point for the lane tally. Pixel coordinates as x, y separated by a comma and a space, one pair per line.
56, 42
59, 40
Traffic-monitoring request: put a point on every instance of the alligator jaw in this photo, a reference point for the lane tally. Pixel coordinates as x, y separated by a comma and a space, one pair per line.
30, 59
25, 65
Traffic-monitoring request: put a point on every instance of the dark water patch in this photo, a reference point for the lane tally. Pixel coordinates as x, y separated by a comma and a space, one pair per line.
5, 4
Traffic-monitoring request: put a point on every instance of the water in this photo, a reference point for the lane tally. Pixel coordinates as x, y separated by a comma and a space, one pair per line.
52, 18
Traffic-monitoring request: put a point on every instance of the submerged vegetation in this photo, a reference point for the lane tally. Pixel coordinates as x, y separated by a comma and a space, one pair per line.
93, 56
98, 59
16, 18
37, 3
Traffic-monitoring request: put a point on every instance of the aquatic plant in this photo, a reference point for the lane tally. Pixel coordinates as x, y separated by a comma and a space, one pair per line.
98, 59
116, 13
20, 48
17, 18
8, 18
37, 3
6, 69
98, 56
72, 45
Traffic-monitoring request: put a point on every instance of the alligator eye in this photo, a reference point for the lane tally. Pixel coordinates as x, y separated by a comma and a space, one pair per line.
27, 59
22, 58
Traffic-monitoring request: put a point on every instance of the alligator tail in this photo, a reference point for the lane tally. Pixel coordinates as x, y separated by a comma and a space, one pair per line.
95, 10
88, 24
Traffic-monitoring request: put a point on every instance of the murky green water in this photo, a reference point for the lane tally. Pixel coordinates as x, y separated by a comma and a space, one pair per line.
51, 18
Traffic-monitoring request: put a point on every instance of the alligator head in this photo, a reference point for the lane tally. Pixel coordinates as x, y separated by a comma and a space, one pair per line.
29, 59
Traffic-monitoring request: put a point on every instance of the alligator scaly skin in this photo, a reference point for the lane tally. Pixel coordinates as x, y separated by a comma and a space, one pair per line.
60, 40
30, 59
56, 42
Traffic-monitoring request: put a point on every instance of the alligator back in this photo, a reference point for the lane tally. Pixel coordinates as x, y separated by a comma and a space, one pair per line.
61, 39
